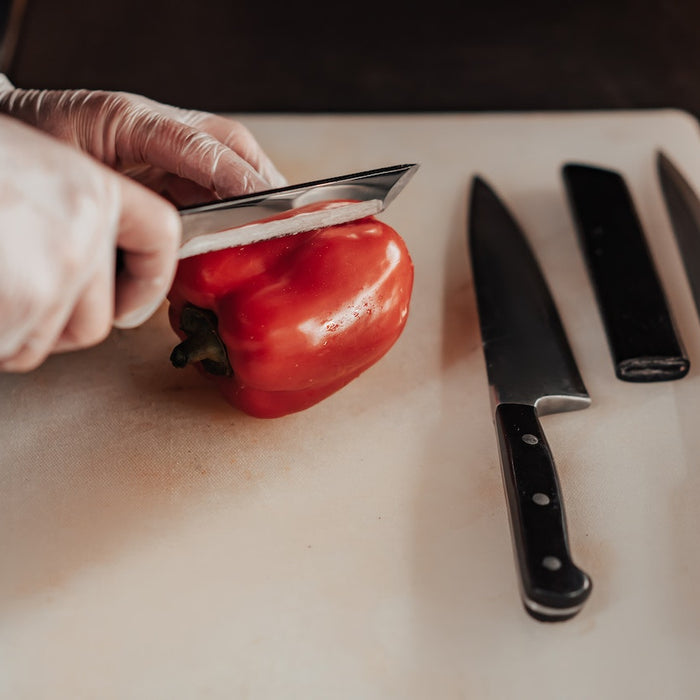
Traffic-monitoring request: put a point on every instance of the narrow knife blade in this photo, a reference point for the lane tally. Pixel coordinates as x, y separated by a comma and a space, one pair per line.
531, 371
684, 211
241, 220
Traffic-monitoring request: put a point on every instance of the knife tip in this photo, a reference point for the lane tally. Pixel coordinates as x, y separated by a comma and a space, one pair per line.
479, 184
480, 192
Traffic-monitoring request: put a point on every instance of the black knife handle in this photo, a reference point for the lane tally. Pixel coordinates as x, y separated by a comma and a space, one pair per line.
637, 319
553, 588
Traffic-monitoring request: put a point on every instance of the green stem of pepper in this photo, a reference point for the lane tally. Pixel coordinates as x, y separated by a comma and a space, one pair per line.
202, 342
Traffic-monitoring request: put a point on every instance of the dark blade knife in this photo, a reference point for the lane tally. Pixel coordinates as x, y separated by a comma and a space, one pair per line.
644, 343
684, 209
532, 372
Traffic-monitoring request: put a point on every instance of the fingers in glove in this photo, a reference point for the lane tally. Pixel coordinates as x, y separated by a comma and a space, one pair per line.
192, 154
40, 338
149, 236
92, 316
79, 317
181, 192
239, 139
124, 130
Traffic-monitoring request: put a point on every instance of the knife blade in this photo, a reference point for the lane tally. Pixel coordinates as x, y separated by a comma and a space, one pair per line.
684, 211
642, 337
241, 220
532, 372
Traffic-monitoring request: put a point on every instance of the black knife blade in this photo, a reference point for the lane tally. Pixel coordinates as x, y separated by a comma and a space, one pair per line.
531, 371
684, 210
640, 329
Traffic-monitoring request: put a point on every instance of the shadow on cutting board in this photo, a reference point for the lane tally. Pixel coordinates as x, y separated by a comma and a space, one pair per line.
99, 452
112, 449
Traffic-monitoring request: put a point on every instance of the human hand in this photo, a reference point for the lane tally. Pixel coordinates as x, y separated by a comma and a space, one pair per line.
62, 217
185, 155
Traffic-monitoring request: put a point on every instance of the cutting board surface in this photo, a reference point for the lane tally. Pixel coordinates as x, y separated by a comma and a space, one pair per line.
155, 543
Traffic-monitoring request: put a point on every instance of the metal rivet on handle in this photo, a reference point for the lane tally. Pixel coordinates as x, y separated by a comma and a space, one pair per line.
529, 439
541, 499
551, 563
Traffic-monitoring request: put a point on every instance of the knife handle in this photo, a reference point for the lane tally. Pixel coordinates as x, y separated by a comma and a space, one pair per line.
553, 588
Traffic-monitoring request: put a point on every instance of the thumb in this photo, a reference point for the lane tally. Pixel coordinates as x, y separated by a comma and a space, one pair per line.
148, 237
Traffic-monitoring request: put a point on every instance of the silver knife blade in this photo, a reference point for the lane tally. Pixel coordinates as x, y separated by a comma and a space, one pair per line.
237, 221
531, 371
684, 210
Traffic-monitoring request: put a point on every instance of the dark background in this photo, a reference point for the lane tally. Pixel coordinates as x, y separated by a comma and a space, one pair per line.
367, 57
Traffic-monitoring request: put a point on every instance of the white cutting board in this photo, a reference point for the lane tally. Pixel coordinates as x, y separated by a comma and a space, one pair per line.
154, 543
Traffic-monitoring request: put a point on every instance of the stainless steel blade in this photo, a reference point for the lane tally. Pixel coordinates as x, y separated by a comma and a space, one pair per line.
684, 210
237, 221
528, 357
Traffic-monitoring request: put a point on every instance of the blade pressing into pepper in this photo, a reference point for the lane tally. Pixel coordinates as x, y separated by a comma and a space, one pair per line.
281, 324
290, 210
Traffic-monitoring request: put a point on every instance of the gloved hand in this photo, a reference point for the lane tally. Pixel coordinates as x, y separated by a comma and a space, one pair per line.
187, 156
68, 213
62, 216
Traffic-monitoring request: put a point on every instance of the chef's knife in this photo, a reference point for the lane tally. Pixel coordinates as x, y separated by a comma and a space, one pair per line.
241, 220
684, 209
532, 372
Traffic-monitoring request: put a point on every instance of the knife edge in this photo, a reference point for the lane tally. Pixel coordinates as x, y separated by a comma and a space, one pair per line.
262, 231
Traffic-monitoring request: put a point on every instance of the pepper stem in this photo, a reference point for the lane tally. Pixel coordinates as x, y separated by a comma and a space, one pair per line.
202, 342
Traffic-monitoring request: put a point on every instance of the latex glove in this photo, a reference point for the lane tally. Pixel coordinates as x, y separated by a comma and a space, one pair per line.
187, 156
62, 216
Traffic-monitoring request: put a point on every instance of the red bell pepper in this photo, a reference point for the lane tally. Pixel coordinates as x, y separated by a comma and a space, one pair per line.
280, 325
